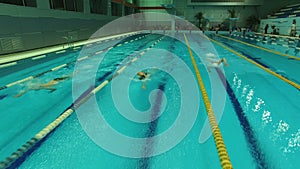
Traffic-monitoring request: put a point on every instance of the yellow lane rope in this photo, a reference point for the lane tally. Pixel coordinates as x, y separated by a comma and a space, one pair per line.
258, 65
48, 129
221, 148
258, 47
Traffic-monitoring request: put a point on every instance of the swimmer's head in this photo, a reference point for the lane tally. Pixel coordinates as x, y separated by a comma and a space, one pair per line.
142, 75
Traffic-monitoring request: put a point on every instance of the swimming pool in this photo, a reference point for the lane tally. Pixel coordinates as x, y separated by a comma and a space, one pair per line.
259, 122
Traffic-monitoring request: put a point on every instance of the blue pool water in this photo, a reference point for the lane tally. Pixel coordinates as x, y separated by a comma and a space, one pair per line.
259, 122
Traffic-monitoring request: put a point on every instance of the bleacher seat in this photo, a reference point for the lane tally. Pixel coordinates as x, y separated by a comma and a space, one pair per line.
287, 12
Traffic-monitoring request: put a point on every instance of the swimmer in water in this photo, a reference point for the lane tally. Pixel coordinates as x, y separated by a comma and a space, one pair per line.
215, 62
143, 76
46, 86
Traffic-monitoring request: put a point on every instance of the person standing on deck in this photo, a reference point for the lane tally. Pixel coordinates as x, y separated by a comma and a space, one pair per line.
266, 28
293, 29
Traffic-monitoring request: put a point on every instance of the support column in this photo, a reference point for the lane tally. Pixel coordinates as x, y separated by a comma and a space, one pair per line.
123, 9
108, 7
42, 4
173, 23
86, 6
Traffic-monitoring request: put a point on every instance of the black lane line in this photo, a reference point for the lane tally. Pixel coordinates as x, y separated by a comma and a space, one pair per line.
19, 161
266, 66
145, 163
252, 142
3, 96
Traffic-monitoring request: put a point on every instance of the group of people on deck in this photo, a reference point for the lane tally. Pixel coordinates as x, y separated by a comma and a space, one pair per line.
275, 30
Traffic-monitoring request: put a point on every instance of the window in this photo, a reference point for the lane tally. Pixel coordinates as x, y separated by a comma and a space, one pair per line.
128, 10
74, 5
99, 6
57, 4
68, 5
31, 3
116, 9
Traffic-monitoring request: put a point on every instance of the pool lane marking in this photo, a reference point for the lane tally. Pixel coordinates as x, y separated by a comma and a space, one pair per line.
7, 162
135, 59
59, 67
47, 50
144, 163
257, 61
83, 58
61, 51
57, 49
258, 65
32, 77
253, 144
38, 57
8, 64
220, 145
98, 52
19, 81
78, 47
265, 49
53, 69
44, 132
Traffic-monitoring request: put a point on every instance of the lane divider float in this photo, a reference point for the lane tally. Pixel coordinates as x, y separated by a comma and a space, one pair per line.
258, 65
258, 47
53, 69
83, 58
61, 51
59, 67
59, 48
20, 81
220, 145
8, 64
38, 57
7, 162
